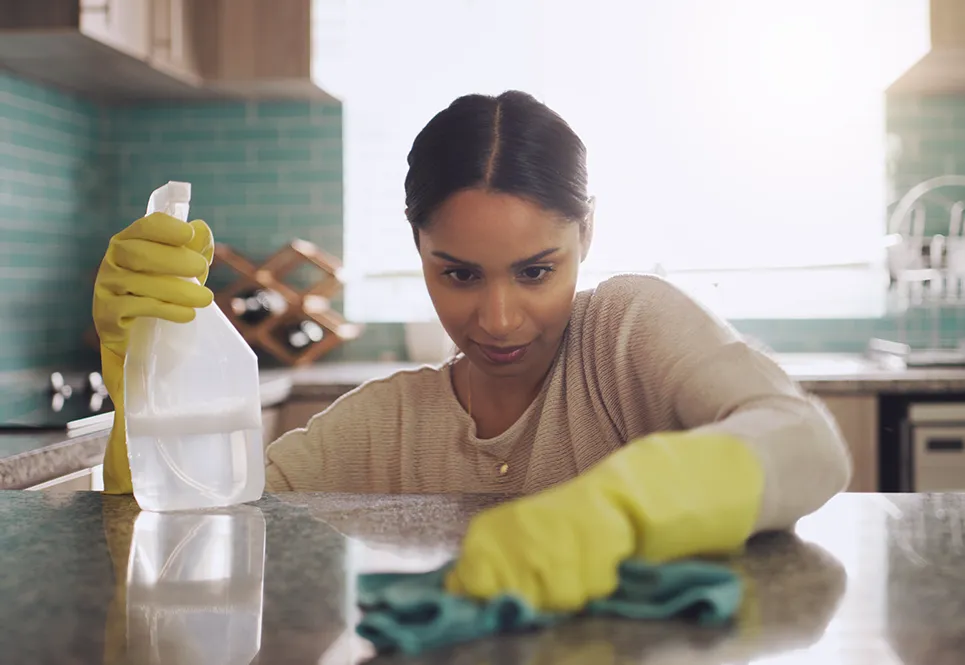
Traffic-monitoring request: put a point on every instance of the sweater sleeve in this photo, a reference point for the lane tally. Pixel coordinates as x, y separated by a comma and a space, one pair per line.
345, 448
709, 379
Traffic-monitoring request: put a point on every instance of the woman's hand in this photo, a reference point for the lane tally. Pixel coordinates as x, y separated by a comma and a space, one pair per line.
557, 549
144, 273
662, 497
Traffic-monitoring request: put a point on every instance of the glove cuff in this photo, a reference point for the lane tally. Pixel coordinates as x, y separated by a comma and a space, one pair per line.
117, 470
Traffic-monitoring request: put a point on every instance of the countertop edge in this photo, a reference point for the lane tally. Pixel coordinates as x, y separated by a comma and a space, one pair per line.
29, 468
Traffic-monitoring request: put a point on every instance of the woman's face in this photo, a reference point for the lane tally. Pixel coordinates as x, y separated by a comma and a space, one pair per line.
501, 272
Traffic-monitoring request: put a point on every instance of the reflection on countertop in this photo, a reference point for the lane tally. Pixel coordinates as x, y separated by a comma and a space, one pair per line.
88, 579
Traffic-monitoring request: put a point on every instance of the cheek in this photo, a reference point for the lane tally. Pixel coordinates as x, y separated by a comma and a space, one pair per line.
552, 308
453, 308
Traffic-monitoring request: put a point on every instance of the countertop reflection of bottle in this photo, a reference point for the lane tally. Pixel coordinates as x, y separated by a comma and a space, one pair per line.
254, 306
195, 587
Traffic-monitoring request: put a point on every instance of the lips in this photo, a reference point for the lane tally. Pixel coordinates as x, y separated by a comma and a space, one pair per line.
503, 355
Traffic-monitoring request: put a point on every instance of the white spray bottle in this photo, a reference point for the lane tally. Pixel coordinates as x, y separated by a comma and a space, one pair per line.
192, 404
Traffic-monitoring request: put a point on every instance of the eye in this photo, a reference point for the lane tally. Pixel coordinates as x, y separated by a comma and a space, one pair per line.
460, 275
536, 273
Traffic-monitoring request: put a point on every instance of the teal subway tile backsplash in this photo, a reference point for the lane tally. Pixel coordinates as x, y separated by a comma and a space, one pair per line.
927, 139
72, 174
256, 189
51, 215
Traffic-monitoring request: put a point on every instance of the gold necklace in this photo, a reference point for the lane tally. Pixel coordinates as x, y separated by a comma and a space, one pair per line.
502, 467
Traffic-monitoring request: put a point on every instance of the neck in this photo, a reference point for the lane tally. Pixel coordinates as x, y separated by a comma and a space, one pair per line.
505, 394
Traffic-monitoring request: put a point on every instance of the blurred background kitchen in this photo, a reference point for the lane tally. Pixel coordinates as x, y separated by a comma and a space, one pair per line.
797, 167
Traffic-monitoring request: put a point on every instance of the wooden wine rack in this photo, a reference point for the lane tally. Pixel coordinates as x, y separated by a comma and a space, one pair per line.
312, 303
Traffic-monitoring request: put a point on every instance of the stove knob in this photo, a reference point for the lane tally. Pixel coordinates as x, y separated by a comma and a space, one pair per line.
96, 383
57, 382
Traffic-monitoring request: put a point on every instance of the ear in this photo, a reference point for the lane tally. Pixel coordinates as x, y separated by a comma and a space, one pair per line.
586, 231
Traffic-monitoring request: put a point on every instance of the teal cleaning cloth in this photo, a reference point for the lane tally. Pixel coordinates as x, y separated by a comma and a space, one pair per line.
413, 613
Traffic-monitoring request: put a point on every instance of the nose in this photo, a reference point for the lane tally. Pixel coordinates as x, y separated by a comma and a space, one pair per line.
499, 313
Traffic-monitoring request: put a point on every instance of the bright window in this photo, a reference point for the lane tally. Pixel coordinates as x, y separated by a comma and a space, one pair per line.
740, 135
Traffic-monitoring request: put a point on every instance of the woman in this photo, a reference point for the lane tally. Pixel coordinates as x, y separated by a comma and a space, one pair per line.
633, 421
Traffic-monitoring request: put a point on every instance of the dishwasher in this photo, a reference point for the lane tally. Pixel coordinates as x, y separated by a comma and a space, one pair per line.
932, 447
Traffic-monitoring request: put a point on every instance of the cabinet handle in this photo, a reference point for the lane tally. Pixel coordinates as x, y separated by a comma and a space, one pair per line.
172, 17
945, 445
155, 10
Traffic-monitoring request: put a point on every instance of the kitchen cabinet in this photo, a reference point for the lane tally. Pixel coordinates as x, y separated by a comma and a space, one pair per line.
270, 419
85, 480
296, 413
121, 24
162, 49
256, 47
175, 36
857, 417
97, 48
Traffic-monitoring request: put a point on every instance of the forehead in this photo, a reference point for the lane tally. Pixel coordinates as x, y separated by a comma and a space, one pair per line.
493, 224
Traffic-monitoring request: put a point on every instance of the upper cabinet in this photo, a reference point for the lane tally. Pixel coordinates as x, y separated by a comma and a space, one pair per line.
121, 24
162, 49
175, 37
942, 69
256, 46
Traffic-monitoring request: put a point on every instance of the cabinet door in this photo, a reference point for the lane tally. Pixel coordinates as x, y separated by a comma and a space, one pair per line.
295, 414
254, 40
121, 24
270, 419
173, 38
857, 416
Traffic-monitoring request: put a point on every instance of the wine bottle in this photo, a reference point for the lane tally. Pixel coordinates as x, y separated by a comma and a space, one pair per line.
303, 334
253, 307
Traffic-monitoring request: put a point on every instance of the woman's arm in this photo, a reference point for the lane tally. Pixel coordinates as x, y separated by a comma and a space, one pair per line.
723, 445
342, 449
715, 383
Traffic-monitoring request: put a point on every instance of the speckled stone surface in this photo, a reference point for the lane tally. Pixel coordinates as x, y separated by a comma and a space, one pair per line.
876, 579
30, 458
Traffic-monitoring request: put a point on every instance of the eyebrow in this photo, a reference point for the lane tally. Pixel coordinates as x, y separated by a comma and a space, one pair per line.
522, 263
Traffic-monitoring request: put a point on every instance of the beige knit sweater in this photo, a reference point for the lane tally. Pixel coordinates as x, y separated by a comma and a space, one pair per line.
638, 357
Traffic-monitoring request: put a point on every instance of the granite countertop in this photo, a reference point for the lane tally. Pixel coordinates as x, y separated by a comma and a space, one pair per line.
87, 579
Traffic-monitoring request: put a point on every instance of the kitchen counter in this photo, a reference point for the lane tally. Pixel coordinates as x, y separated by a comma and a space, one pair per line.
29, 458
844, 373
866, 579
818, 372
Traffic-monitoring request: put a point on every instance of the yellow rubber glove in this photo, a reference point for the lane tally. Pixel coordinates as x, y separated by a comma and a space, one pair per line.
662, 497
141, 275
